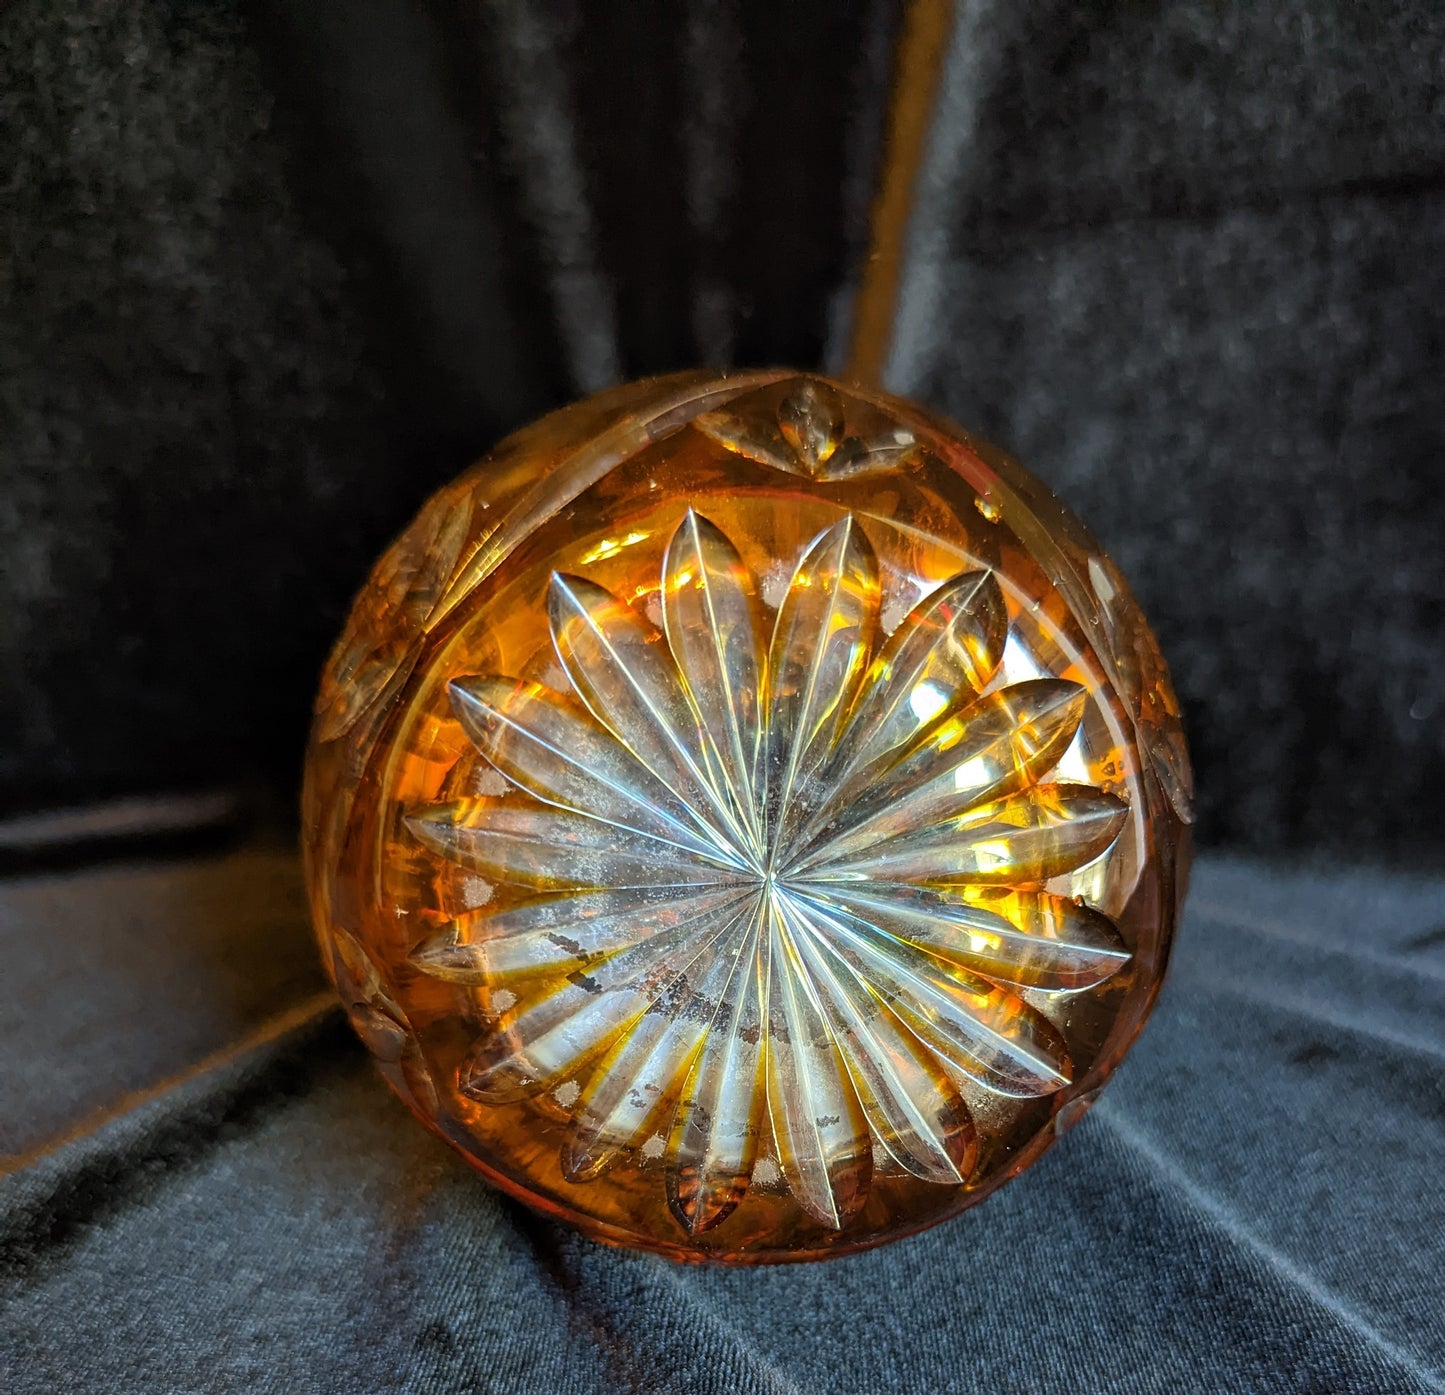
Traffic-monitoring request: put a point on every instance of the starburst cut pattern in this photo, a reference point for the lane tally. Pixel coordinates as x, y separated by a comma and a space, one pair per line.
401, 592
779, 899
805, 433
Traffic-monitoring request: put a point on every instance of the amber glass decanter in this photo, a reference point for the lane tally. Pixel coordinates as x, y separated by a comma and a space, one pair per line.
746, 817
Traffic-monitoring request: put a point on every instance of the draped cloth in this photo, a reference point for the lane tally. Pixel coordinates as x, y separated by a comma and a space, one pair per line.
271, 272
215, 1191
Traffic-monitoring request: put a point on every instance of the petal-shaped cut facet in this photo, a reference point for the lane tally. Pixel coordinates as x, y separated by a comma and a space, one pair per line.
915, 1108
864, 455
945, 651
546, 847
756, 440
821, 643
556, 936
546, 746
1019, 841
375, 1013
634, 1089
363, 675
985, 1032
719, 1118
403, 589
819, 1127
710, 615
580, 1016
811, 422
1029, 938
621, 667
992, 748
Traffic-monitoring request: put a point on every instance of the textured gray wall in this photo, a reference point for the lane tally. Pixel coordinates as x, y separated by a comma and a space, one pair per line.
272, 272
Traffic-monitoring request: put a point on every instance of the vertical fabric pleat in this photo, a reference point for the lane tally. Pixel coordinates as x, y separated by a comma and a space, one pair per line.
539, 114
713, 72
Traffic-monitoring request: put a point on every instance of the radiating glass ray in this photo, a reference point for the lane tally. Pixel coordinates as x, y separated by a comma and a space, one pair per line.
821, 1132
824, 632
1019, 841
542, 846
804, 435
811, 420
986, 1032
379, 1020
545, 1039
783, 888
710, 617
994, 747
633, 1091
1028, 938
362, 675
741, 433
548, 747
945, 651
552, 936
620, 666
886, 450
719, 1118
375, 1013
915, 1108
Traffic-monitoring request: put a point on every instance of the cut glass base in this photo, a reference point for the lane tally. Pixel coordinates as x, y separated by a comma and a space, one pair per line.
746, 817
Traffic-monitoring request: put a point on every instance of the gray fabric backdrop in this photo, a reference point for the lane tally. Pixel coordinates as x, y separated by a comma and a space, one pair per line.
269, 273
275, 271
1253, 1209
